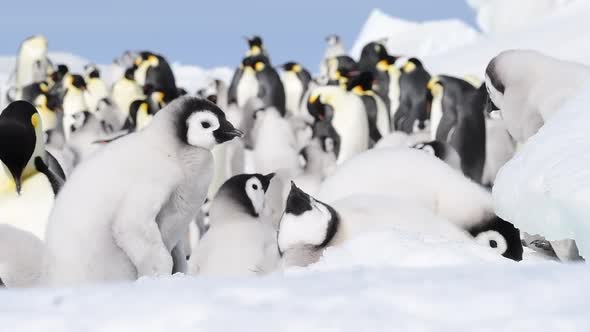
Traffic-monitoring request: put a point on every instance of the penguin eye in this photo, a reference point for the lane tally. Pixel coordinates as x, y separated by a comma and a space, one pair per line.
493, 244
255, 186
205, 124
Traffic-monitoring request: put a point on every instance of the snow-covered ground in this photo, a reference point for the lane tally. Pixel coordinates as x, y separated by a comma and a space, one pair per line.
386, 281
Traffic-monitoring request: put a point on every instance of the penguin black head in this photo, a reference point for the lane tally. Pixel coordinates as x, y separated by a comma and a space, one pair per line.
92, 71
361, 82
255, 45
201, 123
319, 108
306, 222
501, 236
77, 81
19, 124
58, 75
291, 66
129, 73
342, 67
255, 63
332, 39
247, 190
411, 65
371, 54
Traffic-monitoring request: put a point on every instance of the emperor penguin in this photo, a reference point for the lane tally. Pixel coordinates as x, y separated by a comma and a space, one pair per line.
32, 64
96, 88
377, 114
21, 257
74, 100
39, 95
528, 87
457, 118
431, 183
500, 148
346, 113
260, 80
340, 69
27, 184
140, 115
241, 240
412, 114
125, 91
153, 69
334, 47
318, 162
387, 76
296, 80
141, 208
309, 226
255, 48
371, 54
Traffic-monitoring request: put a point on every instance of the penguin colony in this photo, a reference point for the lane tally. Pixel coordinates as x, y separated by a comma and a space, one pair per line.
115, 182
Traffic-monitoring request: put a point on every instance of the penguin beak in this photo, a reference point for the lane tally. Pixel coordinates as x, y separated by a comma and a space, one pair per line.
298, 201
226, 132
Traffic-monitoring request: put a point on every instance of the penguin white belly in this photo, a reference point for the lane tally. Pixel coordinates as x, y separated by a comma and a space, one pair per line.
393, 94
293, 92
124, 93
29, 211
74, 102
383, 121
500, 148
350, 122
234, 249
247, 88
418, 177
436, 115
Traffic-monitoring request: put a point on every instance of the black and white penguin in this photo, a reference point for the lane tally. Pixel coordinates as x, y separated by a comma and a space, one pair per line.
457, 118
32, 65
377, 114
412, 113
334, 48
241, 240
341, 69
430, 183
74, 100
255, 48
26, 178
345, 112
371, 54
260, 80
137, 231
140, 115
296, 80
96, 88
154, 70
125, 91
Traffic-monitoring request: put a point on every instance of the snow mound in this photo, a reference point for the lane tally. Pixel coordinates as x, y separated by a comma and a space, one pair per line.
502, 16
412, 38
557, 35
545, 188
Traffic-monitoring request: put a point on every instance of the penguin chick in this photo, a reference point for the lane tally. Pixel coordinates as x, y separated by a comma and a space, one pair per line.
318, 162
309, 226
141, 208
25, 179
241, 241
426, 181
528, 87
125, 91
21, 257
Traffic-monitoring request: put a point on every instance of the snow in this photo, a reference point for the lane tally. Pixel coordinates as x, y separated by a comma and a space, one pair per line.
412, 38
545, 188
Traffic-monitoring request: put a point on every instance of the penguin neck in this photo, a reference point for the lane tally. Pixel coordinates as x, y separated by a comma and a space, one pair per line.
225, 209
301, 256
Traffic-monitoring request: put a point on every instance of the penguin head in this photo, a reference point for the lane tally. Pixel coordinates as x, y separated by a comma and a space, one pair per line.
146, 58
292, 67
75, 82
130, 73
20, 128
362, 83
91, 71
332, 39
306, 222
254, 64
411, 65
501, 236
372, 54
255, 46
56, 76
247, 191
199, 122
341, 68
319, 107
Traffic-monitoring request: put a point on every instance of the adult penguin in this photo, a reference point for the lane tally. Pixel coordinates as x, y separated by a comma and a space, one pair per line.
96, 88
32, 64
334, 48
296, 80
26, 179
125, 91
341, 69
39, 95
255, 48
153, 69
261, 80
377, 115
457, 118
371, 54
412, 114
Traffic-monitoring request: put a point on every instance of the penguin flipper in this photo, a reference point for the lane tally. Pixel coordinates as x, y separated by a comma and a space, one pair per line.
232, 92
55, 180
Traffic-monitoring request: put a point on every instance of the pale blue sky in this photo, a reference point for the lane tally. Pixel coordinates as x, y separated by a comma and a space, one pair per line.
206, 33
